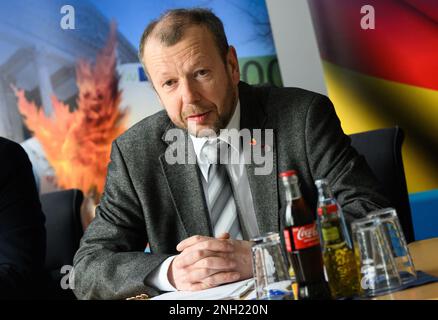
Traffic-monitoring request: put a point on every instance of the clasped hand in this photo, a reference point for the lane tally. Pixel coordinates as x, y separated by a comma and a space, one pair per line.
206, 262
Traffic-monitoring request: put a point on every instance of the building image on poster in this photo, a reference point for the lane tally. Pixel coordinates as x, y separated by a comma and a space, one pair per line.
71, 80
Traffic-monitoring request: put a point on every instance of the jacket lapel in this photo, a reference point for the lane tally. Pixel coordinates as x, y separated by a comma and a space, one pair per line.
264, 188
185, 185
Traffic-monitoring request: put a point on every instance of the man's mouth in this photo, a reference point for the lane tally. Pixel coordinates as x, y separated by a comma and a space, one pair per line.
200, 117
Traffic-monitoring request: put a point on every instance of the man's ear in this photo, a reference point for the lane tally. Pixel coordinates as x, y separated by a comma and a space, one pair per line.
233, 65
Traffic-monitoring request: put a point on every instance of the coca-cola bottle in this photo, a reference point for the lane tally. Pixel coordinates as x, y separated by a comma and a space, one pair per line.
302, 241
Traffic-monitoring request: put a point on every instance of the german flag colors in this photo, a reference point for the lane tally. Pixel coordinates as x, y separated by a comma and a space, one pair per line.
385, 76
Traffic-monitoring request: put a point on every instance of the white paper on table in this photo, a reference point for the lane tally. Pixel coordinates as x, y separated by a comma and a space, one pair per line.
224, 292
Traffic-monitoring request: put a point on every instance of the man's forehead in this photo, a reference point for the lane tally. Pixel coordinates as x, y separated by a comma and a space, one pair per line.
194, 43
193, 36
172, 34
189, 52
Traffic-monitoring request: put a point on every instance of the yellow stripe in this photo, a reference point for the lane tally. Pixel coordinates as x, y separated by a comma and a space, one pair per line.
345, 89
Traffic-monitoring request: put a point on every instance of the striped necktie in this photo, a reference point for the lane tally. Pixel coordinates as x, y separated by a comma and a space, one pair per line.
221, 202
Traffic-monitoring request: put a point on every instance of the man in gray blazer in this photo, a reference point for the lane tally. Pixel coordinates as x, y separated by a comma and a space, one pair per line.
149, 199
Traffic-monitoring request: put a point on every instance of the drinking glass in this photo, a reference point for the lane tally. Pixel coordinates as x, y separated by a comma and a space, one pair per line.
397, 242
272, 280
378, 273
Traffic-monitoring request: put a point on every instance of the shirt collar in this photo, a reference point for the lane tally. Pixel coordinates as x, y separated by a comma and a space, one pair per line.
234, 123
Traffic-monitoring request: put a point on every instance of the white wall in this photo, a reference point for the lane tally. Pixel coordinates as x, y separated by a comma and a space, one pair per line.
295, 41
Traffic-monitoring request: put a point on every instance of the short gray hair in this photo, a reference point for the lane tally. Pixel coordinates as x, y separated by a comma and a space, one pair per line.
174, 23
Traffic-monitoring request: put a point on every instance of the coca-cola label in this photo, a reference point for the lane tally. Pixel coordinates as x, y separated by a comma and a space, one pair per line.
305, 236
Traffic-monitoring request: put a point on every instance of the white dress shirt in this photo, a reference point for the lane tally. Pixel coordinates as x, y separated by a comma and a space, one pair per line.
239, 180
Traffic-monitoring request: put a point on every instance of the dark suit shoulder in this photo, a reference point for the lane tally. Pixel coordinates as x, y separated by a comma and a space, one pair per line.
285, 105
146, 132
12, 155
8, 146
280, 98
297, 97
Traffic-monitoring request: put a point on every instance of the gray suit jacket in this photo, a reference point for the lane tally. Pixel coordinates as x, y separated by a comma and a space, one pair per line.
148, 200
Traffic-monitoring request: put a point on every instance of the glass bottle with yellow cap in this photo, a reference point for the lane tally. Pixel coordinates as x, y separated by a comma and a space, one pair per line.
337, 251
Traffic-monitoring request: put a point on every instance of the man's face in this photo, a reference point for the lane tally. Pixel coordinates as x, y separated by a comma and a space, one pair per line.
193, 84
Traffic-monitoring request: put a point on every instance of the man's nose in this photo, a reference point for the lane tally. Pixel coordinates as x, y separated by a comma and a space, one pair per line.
189, 92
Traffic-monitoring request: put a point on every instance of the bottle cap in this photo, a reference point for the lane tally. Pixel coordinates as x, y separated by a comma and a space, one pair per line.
321, 182
287, 173
331, 208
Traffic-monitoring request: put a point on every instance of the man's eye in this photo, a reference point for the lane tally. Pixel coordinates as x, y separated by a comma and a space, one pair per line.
169, 83
202, 72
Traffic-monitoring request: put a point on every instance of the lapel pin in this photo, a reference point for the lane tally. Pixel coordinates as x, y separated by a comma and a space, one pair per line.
253, 142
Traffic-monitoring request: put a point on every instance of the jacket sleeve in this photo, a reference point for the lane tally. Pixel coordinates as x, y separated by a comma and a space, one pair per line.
22, 232
331, 156
111, 262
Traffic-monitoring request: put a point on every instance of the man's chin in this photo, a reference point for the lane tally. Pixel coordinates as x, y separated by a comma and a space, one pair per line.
200, 131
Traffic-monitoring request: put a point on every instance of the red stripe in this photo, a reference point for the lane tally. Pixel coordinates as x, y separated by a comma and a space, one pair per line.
402, 48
